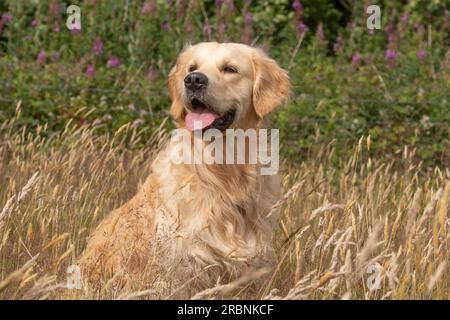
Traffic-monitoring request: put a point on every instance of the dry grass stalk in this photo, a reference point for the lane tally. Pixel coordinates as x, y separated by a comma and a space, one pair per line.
336, 218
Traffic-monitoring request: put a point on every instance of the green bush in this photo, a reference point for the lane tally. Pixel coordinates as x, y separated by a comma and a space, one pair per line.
392, 84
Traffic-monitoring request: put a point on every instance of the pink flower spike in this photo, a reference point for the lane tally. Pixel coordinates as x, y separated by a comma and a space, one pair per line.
390, 56
297, 6
90, 70
114, 62
207, 30
301, 29
97, 47
230, 5
248, 18
356, 59
404, 18
152, 75
218, 4
165, 26
6, 18
320, 33
41, 57
147, 7
188, 27
421, 54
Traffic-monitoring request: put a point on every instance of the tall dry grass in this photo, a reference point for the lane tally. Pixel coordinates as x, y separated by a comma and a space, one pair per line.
340, 220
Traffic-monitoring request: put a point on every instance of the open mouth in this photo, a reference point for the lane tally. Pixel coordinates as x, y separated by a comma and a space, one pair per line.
202, 117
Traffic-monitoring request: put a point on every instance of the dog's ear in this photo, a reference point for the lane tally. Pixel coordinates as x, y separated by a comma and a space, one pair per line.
173, 84
271, 85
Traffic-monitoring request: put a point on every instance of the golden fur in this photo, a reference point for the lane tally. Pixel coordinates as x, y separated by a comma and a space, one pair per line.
187, 218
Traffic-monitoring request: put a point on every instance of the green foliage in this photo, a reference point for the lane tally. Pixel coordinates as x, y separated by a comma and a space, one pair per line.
344, 85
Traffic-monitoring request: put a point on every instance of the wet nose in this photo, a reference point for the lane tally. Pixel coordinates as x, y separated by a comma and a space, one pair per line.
195, 81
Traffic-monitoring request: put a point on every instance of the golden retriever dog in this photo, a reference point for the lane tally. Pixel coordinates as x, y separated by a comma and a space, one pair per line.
198, 221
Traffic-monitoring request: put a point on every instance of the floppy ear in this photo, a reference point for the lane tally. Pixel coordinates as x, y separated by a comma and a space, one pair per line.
271, 85
176, 109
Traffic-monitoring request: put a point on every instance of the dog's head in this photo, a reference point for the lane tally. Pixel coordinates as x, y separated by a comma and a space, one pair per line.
225, 85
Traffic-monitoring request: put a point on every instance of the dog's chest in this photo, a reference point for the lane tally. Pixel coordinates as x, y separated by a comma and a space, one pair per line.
196, 221
194, 227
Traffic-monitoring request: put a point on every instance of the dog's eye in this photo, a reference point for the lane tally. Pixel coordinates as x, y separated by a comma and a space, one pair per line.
229, 69
192, 68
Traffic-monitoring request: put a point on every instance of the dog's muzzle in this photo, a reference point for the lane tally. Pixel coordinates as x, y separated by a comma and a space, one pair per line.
195, 81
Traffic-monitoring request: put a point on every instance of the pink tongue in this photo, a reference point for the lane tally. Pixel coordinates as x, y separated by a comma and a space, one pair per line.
198, 121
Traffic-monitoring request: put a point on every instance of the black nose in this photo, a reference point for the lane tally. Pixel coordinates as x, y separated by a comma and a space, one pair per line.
195, 81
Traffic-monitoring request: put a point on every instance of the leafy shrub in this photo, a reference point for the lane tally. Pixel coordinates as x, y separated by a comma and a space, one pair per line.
391, 84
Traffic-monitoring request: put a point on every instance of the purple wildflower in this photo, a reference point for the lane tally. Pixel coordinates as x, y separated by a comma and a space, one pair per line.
337, 46
390, 56
90, 70
165, 26
97, 47
248, 18
389, 28
113, 62
188, 27
219, 4
421, 54
56, 28
152, 75
148, 6
34, 23
356, 59
320, 34
207, 30
230, 6
247, 35
404, 18
302, 28
392, 37
41, 57
221, 32
297, 6
6, 18
221, 28
181, 9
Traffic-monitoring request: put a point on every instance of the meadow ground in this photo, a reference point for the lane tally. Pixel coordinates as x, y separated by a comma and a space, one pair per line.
342, 224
